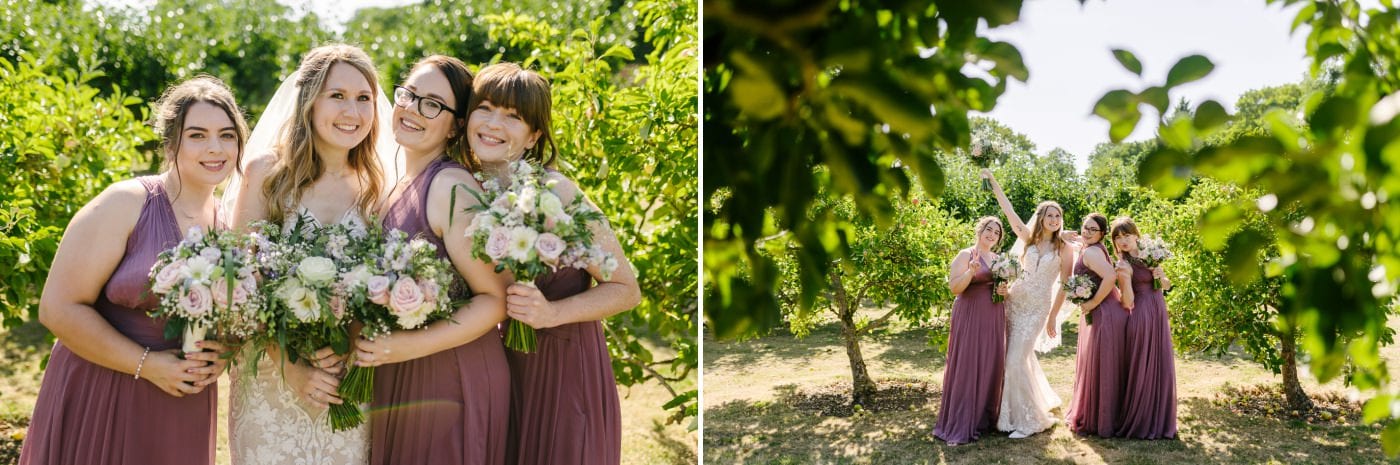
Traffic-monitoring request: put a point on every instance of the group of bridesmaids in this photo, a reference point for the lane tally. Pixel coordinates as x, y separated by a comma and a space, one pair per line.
116, 391
1125, 379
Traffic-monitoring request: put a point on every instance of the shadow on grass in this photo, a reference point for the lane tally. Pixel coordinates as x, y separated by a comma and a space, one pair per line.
20, 343
679, 452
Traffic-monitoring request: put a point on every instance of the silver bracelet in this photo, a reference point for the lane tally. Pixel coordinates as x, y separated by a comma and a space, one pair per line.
141, 363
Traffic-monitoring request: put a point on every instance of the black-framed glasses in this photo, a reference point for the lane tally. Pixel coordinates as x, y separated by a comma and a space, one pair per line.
428, 107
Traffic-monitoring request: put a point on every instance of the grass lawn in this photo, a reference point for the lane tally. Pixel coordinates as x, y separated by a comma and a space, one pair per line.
646, 439
763, 404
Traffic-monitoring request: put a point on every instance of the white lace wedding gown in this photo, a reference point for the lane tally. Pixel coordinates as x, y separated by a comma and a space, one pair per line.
1026, 397
270, 425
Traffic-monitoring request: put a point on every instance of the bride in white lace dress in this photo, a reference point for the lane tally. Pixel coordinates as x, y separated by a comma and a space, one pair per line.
1026, 396
313, 156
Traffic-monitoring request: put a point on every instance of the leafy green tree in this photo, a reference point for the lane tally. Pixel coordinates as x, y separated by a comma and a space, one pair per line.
855, 86
900, 270
60, 144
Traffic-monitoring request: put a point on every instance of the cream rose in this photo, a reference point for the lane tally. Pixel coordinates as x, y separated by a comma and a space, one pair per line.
316, 270
168, 277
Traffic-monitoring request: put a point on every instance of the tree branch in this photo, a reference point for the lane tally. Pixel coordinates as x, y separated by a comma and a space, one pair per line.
880, 321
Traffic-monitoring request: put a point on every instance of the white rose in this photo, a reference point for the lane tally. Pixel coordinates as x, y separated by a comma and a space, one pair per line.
316, 270
521, 246
551, 206
524, 199
358, 276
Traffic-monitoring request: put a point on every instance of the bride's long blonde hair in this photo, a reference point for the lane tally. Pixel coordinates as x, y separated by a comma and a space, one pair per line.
298, 165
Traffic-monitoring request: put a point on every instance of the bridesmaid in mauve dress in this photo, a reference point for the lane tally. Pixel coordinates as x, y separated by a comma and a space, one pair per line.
1149, 402
1100, 368
116, 390
564, 403
442, 393
976, 361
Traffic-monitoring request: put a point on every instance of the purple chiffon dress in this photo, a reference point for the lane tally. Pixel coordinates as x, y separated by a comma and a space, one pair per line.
451, 407
564, 402
1149, 402
90, 414
1100, 372
976, 363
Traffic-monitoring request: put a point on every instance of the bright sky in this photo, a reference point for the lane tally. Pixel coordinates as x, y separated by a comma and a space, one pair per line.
334, 13
1067, 47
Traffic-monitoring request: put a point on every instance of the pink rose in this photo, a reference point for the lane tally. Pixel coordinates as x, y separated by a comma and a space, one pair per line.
337, 306
430, 290
378, 289
550, 247
246, 288
406, 296
196, 301
168, 277
219, 288
498, 244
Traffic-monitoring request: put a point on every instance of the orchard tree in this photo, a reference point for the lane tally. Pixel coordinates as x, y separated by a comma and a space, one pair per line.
900, 272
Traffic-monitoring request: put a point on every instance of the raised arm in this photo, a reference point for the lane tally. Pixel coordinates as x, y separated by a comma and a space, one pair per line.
961, 272
92, 247
1017, 226
1066, 270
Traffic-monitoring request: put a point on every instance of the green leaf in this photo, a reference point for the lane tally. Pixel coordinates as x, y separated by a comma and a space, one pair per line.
1335, 113
619, 51
1217, 224
1242, 257
1376, 409
1210, 115
1157, 97
1166, 171
1007, 58
1189, 69
1390, 439
1128, 60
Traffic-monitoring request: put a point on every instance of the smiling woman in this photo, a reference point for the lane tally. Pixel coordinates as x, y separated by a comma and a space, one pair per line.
98, 308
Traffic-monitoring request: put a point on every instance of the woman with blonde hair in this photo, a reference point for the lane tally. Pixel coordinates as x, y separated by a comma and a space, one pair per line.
1027, 397
972, 376
322, 167
116, 390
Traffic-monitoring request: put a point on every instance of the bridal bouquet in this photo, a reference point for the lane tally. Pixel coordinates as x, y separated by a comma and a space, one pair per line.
1152, 252
525, 227
205, 282
1079, 289
315, 276
408, 288
1005, 270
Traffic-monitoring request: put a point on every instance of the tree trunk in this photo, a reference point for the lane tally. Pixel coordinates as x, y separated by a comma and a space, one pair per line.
1292, 389
862, 387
